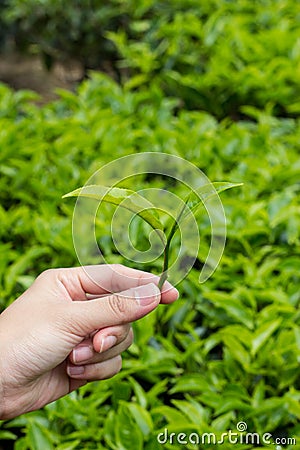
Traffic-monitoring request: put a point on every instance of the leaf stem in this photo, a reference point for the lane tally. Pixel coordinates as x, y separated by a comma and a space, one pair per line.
164, 275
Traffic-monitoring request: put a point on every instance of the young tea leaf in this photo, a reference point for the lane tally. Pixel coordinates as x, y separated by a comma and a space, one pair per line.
206, 192
125, 198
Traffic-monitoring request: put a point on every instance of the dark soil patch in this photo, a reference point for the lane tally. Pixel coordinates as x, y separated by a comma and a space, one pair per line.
27, 72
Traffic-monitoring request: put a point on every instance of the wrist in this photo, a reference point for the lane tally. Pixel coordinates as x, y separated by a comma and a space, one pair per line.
6, 406
8, 402
3, 376
2, 400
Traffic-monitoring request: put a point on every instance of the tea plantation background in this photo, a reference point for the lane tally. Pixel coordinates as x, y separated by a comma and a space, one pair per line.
217, 83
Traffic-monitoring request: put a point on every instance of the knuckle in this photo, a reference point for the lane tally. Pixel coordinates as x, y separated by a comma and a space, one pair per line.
117, 305
117, 266
47, 274
121, 332
117, 269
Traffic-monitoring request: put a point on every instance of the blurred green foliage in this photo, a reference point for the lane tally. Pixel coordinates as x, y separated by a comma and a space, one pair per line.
227, 351
217, 54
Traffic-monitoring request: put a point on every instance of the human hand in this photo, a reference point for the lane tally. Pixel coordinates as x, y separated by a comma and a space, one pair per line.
52, 338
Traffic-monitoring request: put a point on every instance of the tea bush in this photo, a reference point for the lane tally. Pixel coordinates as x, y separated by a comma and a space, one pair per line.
216, 56
63, 30
229, 350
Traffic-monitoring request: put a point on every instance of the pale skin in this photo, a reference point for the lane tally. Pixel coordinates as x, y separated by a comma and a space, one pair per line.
70, 327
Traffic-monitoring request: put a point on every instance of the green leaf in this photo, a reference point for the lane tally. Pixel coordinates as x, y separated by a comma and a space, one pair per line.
172, 415
258, 393
237, 351
262, 334
142, 418
222, 422
121, 391
7, 435
39, 437
233, 307
193, 410
69, 445
125, 198
202, 194
22, 444
110, 430
139, 392
128, 434
208, 191
21, 264
232, 404
191, 383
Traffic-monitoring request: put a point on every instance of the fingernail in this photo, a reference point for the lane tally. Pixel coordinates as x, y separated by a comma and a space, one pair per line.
75, 370
82, 354
176, 292
107, 343
167, 286
144, 294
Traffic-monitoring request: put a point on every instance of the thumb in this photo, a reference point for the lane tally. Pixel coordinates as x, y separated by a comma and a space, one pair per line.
115, 309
